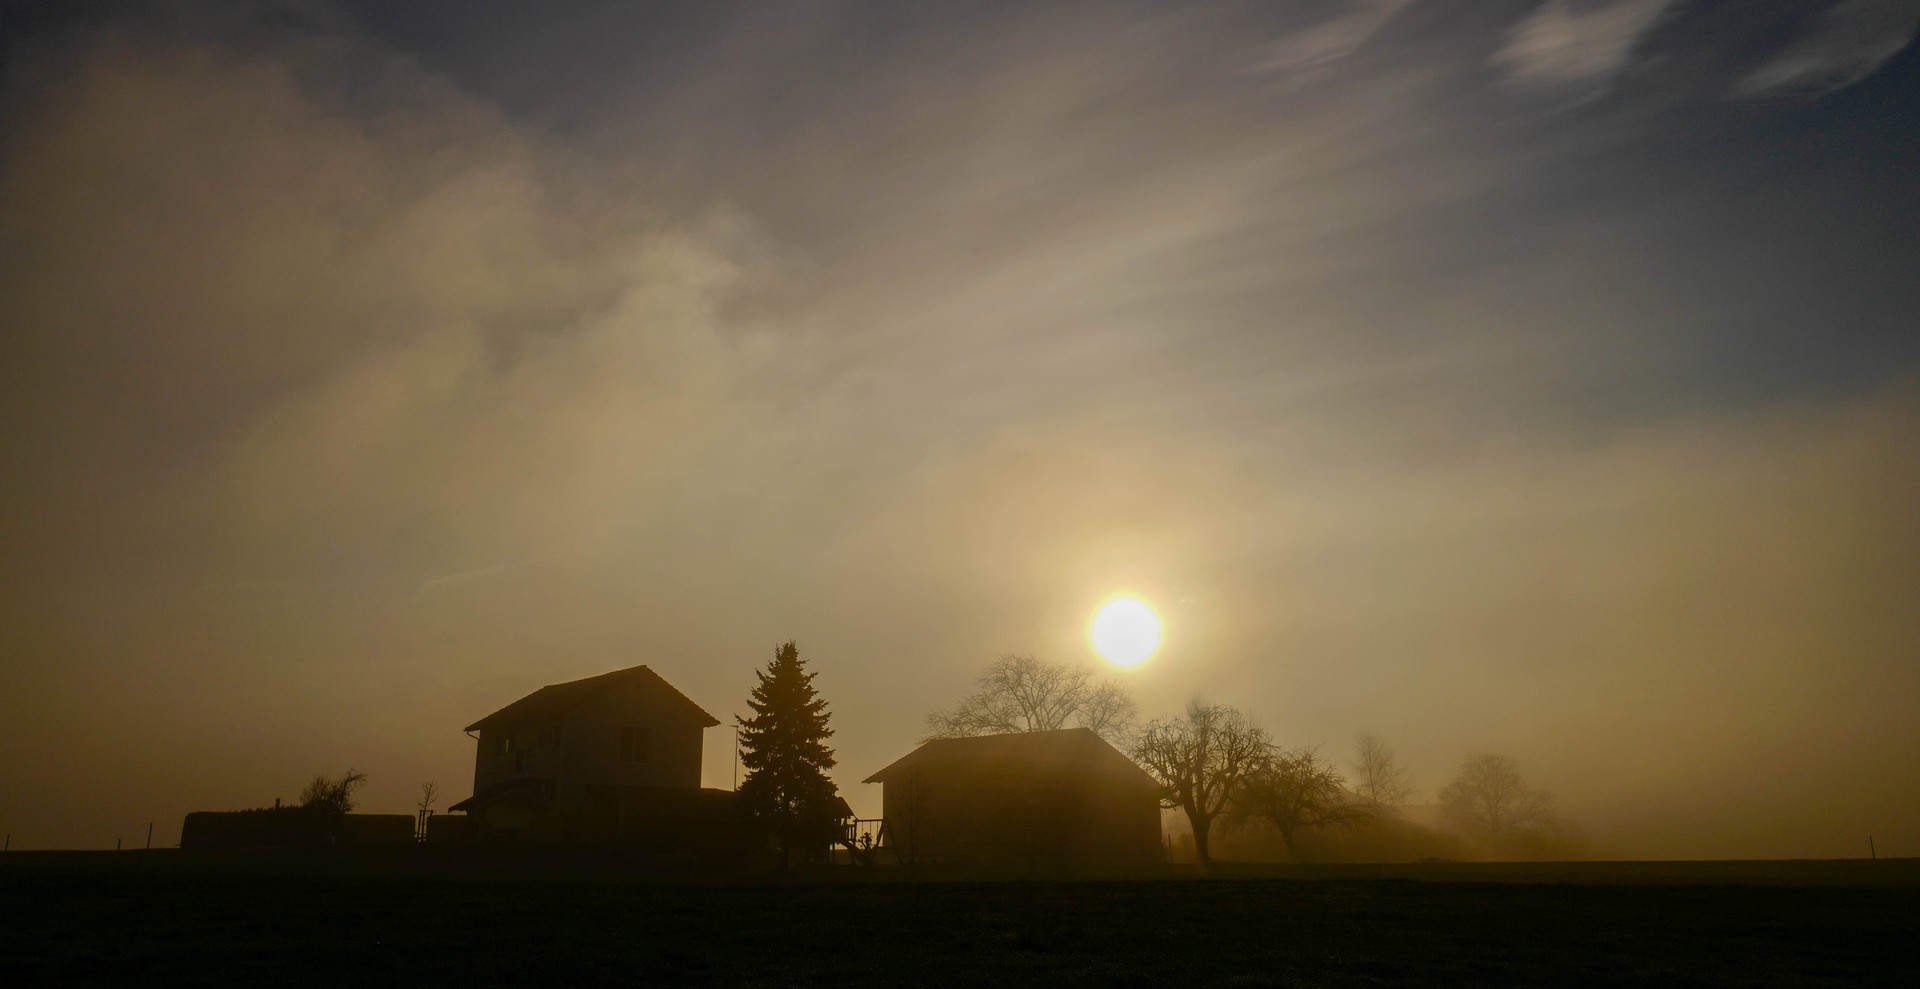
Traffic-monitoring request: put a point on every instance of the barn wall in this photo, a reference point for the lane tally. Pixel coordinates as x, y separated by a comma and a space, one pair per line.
1033, 818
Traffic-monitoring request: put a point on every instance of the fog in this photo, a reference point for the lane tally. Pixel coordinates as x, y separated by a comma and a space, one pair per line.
1513, 378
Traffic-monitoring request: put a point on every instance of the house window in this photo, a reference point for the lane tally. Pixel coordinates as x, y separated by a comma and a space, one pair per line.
520, 759
504, 745
550, 737
633, 745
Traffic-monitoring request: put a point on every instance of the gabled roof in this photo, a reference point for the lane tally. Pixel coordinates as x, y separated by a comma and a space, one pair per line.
1067, 749
557, 699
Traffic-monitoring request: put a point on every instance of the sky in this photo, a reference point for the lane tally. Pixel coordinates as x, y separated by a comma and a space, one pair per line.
1492, 375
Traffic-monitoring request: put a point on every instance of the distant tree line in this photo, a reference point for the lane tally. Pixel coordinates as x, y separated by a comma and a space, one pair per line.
1214, 763
1223, 771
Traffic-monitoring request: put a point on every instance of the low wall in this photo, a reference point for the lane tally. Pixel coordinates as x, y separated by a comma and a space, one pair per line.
291, 827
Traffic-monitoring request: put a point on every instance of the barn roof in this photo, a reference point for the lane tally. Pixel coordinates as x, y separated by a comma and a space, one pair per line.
557, 699
1065, 748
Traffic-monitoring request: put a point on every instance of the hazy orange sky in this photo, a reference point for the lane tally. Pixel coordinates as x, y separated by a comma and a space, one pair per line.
1516, 376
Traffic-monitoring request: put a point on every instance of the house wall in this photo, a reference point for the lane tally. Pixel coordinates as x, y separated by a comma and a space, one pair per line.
582, 748
590, 740
1043, 818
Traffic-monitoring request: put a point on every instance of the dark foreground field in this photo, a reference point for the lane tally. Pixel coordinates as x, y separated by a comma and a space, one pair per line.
143, 918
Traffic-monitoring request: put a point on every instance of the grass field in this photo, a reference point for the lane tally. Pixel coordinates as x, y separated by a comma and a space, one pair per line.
164, 917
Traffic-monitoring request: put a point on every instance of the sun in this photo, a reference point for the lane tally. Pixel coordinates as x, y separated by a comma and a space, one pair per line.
1124, 631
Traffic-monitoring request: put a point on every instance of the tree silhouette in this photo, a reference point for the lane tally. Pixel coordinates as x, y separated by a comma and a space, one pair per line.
332, 796
1021, 693
1199, 761
784, 749
1378, 776
1488, 799
1298, 790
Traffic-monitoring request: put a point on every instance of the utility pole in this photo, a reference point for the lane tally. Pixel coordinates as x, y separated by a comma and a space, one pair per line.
1873, 854
149, 835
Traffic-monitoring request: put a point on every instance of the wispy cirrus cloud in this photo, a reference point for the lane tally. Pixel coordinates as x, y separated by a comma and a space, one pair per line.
1306, 52
1565, 44
1846, 45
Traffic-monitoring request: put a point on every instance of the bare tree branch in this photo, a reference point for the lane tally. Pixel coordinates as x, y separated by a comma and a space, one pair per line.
1378, 775
331, 795
1297, 790
1488, 799
1109, 711
1199, 761
1020, 693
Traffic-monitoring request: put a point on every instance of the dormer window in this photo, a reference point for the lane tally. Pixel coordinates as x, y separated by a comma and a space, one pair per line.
633, 744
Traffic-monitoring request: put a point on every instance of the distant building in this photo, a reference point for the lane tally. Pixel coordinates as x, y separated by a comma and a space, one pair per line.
1048, 797
611, 756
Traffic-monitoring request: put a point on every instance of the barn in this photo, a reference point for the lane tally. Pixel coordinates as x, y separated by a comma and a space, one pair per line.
1058, 798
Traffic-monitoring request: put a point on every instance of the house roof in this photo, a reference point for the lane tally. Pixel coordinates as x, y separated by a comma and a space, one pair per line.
557, 699
1074, 749
492, 791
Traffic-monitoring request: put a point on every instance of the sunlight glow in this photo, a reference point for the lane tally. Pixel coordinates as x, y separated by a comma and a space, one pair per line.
1124, 631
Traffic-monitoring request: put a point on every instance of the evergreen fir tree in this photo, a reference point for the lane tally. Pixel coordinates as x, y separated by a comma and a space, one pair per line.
784, 749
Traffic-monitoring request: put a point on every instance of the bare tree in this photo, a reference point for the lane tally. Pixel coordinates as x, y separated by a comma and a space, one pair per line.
334, 796
1199, 761
1488, 799
1109, 711
428, 791
1298, 790
1021, 693
1378, 777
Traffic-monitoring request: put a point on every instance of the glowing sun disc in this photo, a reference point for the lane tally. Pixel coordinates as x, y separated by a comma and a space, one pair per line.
1125, 631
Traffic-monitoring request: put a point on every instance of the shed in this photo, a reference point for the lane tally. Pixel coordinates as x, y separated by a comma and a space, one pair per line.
1061, 797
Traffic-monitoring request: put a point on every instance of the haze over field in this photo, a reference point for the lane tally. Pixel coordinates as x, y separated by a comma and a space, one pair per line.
1530, 377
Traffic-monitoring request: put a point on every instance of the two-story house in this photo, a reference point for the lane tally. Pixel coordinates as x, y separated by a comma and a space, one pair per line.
616, 755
